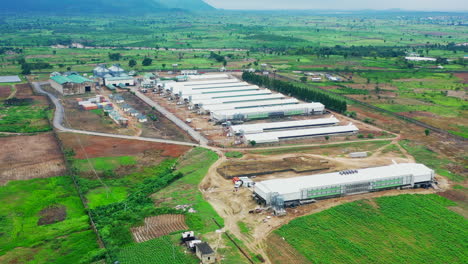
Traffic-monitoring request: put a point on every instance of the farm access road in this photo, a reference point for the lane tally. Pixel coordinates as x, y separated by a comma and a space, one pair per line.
59, 116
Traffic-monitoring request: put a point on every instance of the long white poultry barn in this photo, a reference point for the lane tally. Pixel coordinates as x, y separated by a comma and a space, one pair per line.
298, 190
196, 83
186, 95
279, 126
206, 109
277, 136
194, 98
173, 84
268, 112
177, 89
238, 99
208, 76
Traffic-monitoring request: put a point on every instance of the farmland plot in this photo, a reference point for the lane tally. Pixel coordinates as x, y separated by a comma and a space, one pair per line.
398, 229
158, 226
157, 251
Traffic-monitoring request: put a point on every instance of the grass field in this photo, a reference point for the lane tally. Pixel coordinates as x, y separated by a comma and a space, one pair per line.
104, 196
104, 163
24, 240
24, 119
399, 229
194, 166
424, 155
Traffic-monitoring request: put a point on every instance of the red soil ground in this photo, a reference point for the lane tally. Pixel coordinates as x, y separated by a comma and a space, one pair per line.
95, 146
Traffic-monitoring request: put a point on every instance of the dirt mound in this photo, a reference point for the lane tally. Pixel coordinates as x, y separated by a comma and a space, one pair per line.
299, 164
95, 146
52, 215
158, 226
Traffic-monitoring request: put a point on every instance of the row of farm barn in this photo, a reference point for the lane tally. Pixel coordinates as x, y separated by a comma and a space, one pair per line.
228, 99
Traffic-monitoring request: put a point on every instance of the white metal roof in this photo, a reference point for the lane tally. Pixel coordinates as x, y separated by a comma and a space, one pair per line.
317, 106
254, 104
197, 83
176, 90
291, 185
231, 95
208, 76
238, 99
260, 127
271, 137
185, 94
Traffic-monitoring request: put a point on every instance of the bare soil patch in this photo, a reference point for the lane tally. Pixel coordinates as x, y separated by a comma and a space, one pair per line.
455, 195
95, 146
52, 215
463, 76
24, 90
86, 120
5, 91
28, 157
162, 127
158, 226
253, 167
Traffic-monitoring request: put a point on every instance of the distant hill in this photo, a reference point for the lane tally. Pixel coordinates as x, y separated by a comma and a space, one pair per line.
103, 6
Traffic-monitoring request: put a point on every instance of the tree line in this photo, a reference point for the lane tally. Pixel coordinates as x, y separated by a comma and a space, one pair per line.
306, 94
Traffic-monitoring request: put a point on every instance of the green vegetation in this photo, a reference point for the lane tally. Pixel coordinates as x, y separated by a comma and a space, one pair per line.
28, 118
418, 225
103, 164
161, 250
424, 155
243, 227
194, 167
104, 196
234, 154
115, 219
310, 95
23, 239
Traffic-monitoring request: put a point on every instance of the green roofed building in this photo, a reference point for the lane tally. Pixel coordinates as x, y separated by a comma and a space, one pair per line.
72, 84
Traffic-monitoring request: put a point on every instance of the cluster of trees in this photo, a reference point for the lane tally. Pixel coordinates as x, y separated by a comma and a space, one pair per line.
27, 67
307, 94
114, 220
351, 51
18, 102
115, 56
218, 58
4, 50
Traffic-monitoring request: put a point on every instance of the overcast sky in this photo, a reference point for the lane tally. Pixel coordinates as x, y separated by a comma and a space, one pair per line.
437, 5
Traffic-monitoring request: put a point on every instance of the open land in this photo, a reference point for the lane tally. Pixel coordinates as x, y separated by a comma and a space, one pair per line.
28, 157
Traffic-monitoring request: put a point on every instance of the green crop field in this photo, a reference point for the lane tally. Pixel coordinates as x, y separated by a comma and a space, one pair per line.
162, 250
24, 240
399, 229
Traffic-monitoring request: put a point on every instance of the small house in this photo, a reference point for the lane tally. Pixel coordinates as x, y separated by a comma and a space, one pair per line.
142, 119
205, 253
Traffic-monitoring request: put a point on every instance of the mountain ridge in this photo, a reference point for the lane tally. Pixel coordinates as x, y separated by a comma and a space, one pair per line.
105, 6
